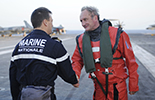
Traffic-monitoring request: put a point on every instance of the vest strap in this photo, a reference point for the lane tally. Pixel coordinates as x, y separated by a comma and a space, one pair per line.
93, 76
88, 58
116, 58
98, 59
105, 47
105, 50
119, 31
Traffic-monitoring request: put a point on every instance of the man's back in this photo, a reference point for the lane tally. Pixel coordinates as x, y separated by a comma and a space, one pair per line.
37, 60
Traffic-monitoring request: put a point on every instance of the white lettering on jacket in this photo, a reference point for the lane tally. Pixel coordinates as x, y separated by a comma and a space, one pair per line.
33, 42
32, 45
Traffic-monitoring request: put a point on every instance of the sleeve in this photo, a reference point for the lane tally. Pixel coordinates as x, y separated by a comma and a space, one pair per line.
65, 70
77, 62
14, 85
130, 61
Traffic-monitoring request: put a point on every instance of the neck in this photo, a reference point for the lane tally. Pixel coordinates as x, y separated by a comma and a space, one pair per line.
96, 26
95, 34
39, 28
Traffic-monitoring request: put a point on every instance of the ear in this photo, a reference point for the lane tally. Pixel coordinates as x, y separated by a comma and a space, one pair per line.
96, 17
45, 22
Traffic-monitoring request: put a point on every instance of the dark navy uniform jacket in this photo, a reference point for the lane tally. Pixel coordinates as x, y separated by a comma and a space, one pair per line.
37, 60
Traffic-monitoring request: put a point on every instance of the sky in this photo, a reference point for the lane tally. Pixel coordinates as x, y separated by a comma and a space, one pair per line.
134, 14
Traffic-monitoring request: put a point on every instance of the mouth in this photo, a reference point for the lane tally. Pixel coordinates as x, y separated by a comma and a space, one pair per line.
85, 26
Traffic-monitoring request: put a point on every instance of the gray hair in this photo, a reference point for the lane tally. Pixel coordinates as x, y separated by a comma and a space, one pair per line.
93, 11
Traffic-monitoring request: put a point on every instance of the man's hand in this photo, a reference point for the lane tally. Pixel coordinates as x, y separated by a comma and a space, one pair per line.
132, 92
76, 85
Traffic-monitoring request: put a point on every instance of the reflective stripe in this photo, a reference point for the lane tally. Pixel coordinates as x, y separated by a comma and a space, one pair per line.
127, 45
33, 56
95, 49
62, 58
39, 57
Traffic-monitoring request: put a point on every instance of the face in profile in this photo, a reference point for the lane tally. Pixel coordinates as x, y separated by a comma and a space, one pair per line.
50, 24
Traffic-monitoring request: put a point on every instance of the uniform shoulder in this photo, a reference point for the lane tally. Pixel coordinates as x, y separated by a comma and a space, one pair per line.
56, 39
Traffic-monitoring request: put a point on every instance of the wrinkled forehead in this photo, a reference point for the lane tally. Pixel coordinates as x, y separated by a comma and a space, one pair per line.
85, 14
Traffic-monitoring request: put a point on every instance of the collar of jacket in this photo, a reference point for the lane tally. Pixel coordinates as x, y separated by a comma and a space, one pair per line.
95, 34
39, 32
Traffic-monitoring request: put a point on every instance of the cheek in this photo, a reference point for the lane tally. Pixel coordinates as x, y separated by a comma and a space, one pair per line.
51, 25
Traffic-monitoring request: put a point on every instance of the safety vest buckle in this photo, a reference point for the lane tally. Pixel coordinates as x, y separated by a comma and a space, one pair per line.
93, 75
97, 60
106, 71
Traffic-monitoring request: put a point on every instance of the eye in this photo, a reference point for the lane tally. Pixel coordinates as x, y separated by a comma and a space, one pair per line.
85, 19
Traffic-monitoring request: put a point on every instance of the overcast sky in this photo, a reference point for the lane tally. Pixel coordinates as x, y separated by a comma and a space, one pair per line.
135, 14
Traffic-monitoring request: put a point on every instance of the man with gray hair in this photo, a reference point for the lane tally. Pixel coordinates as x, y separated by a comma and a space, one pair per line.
106, 53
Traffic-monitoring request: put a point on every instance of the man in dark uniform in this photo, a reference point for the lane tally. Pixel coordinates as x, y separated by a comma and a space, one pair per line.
37, 60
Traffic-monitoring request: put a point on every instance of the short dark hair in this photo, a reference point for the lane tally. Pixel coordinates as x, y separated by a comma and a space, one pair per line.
39, 15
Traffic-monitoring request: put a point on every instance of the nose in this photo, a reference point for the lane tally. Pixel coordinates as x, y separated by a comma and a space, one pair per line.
83, 23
